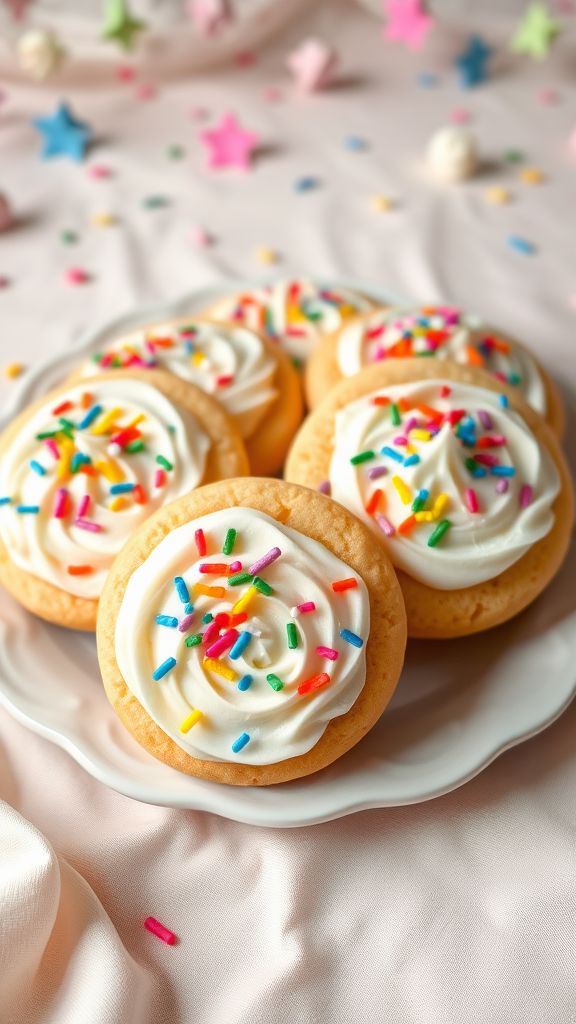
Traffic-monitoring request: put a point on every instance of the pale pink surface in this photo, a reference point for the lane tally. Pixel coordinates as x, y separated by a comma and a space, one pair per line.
460, 909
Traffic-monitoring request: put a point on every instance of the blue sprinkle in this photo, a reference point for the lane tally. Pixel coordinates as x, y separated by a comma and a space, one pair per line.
79, 459
355, 143
391, 454
503, 401
37, 467
306, 184
181, 589
90, 417
24, 509
164, 668
5, 501
521, 245
167, 620
245, 683
188, 608
478, 472
351, 638
240, 644
412, 460
503, 471
121, 488
188, 347
423, 494
241, 742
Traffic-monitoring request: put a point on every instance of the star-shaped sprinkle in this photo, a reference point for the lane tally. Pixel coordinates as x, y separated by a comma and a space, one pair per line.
312, 64
536, 32
471, 63
229, 145
119, 25
208, 16
408, 22
63, 135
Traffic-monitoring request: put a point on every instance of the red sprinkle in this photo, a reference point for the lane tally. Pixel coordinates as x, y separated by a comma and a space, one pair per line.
339, 585
200, 541
160, 931
380, 400
79, 570
63, 407
373, 503
214, 568
139, 495
313, 683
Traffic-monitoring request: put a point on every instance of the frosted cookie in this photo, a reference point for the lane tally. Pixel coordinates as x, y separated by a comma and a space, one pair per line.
295, 313
251, 377
440, 332
84, 466
464, 485
251, 633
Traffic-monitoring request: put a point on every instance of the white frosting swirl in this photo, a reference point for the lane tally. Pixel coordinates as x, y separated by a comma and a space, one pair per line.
512, 479
34, 473
445, 333
295, 312
226, 361
281, 722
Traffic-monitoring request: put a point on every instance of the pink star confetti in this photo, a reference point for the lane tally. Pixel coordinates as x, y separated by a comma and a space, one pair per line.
229, 145
407, 22
208, 16
460, 116
312, 64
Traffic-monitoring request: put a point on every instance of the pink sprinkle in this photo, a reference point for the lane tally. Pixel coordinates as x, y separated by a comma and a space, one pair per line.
235, 567
526, 495
160, 931
410, 424
400, 440
99, 171
306, 606
502, 485
84, 506
76, 275
485, 419
377, 471
159, 478
325, 487
200, 541
327, 652
212, 630
61, 503
52, 447
264, 561
222, 643
471, 499
385, 524
88, 525
184, 623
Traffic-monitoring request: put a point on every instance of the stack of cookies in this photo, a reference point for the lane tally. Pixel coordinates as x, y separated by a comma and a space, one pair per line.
252, 629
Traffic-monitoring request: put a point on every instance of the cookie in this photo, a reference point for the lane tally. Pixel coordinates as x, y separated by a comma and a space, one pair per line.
440, 332
84, 466
296, 313
463, 483
251, 377
251, 632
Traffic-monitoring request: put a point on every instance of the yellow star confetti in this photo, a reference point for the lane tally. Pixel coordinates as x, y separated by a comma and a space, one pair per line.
498, 195
531, 176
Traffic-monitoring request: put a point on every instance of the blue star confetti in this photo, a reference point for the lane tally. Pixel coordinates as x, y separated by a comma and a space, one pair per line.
63, 135
471, 63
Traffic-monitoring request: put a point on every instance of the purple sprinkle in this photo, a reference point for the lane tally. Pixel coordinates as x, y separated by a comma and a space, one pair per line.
325, 487
377, 471
266, 559
526, 495
502, 485
385, 525
485, 419
185, 623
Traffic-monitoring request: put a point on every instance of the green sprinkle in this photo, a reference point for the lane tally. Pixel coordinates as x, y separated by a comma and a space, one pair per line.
262, 586
135, 446
68, 237
194, 640
275, 682
239, 578
229, 541
395, 415
292, 634
97, 357
514, 156
45, 434
418, 504
176, 152
426, 354
438, 533
155, 202
164, 463
471, 464
188, 329
67, 424
362, 457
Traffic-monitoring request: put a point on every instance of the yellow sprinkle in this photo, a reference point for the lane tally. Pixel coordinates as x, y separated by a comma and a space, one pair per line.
198, 358
134, 422
117, 504
191, 720
264, 255
381, 203
347, 310
403, 490
420, 435
67, 449
423, 517
201, 588
439, 505
111, 470
213, 665
103, 219
497, 195
293, 314
105, 422
243, 602
531, 176
411, 450
13, 370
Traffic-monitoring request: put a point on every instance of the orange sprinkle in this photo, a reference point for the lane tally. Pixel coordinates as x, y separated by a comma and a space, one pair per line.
313, 683
139, 495
407, 525
403, 404
339, 585
201, 588
87, 400
427, 410
500, 345
402, 349
373, 503
475, 358
380, 400
79, 570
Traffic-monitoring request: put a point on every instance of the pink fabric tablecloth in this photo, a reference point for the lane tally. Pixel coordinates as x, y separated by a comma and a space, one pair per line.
461, 909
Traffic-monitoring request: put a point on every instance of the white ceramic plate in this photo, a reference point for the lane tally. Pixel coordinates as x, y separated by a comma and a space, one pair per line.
459, 703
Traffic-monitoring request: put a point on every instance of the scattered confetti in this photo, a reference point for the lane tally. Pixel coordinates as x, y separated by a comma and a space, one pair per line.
381, 203
103, 219
427, 80
13, 370
155, 202
200, 237
536, 32
125, 73
549, 97
198, 113
63, 135
408, 22
267, 256
229, 145
355, 144
272, 94
209, 16
98, 171
4, 281
68, 237
176, 152
472, 63
119, 25
76, 275
531, 176
146, 91
306, 184
312, 65
245, 59
460, 116
521, 245
497, 195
